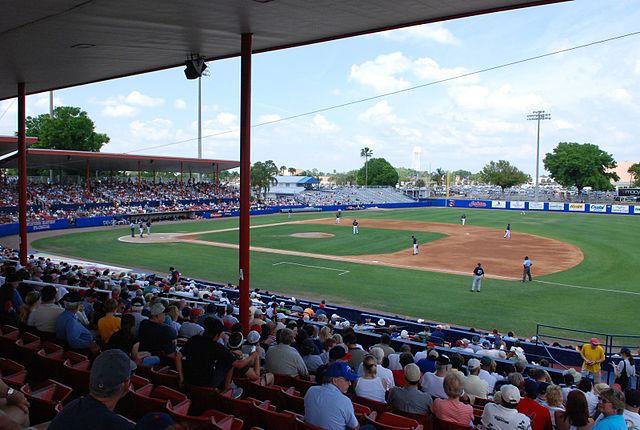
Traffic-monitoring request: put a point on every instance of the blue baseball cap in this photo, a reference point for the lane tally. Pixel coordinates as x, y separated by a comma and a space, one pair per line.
340, 369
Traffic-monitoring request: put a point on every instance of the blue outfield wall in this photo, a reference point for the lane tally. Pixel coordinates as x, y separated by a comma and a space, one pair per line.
597, 208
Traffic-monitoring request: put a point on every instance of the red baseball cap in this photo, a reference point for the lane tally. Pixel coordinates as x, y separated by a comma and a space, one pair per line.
595, 341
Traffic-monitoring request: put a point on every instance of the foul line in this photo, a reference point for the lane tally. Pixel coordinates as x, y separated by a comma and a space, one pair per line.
312, 267
634, 293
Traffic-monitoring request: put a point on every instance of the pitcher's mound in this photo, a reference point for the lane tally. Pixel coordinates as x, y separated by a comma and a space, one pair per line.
312, 235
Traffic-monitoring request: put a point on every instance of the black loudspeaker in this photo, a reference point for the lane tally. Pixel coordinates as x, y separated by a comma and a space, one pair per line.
195, 67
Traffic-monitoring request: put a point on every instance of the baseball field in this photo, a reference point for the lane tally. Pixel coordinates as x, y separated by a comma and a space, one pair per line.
585, 266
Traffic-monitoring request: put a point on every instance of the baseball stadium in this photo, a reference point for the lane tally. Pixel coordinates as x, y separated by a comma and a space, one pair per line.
199, 302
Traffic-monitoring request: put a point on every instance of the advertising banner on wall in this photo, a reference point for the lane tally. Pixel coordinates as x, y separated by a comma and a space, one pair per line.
516, 205
555, 206
536, 206
620, 209
636, 209
577, 207
501, 204
47, 224
597, 208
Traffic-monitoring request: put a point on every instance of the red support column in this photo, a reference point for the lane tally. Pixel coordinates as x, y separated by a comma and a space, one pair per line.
22, 171
87, 180
245, 177
139, 178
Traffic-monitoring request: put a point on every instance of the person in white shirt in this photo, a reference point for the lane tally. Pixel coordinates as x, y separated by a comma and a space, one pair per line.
370, 386
433, 383
382, 372
473, 385
503, 415
486, 374
585, 385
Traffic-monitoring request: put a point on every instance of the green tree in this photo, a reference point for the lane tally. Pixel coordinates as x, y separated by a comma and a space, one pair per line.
635, 171
581, 165
263, 177
379, 171
439, 176
503, 174
420, 183
283, 169
366, 153
292, 171
70, 128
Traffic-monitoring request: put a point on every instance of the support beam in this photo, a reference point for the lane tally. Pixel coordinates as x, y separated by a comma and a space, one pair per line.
22, 172
245, 177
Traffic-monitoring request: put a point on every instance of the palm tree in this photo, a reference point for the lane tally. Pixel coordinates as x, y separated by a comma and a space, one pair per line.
366, 153
283, 169
292, 170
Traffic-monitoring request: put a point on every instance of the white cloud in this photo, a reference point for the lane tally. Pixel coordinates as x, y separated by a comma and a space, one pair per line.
119, 110
43, 102
620, 95
227, 119
380, 72
564, 125
432, 32
636, 70
428, 69
380, 112
180, 104
269, 118
155, 130
503, 98
139, 99
324, 125
407, 132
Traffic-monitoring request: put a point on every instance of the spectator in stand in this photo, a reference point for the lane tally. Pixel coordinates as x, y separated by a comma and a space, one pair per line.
109, 382
125, 341
385, 341
155, 336
433, 383
44, 316
326, 405
503, 414
487, 367
369, 385
409, 398
451, 409
625, 370
191, 328
381, 371
14, 408
612, 405
398, 375
554, 401
428, 364
586, 386
356, 351
110, 323
530, 407
247, 365
593, 355
312, 361
137, 305
31, 302
283, 359
576, 414
69, 329
473, 385
632, 405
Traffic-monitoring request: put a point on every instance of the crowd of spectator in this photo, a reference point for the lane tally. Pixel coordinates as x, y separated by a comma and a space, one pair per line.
145, 317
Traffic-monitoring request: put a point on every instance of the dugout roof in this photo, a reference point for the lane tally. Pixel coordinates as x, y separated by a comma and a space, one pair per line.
62, 43
77, 160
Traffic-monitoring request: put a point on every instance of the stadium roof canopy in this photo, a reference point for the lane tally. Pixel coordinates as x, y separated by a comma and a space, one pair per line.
62, 43
9, 144
77, 160
301, 180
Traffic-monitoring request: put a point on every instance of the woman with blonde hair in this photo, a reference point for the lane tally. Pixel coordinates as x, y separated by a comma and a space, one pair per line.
452, 410
30, 303
553, 396
173, 313
325, 333
370, 386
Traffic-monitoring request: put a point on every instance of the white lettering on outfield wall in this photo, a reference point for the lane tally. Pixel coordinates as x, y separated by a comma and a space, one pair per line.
620, 209
576, 207
555, 206
636, 209
516, 205
597, 208
537, 206
499, 204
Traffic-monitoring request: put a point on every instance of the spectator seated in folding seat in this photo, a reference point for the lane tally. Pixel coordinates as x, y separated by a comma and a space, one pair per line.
409, 398
44, 316
14, 408
503, 414
369, 385
283, 359
69, 329
473, 385
191, 327
155, 336
452, 409
433, 383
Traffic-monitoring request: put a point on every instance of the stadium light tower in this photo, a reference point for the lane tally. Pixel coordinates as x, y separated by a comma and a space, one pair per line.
538, 115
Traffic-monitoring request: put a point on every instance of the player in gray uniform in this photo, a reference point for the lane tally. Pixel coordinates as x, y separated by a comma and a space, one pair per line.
478, 275
526, 269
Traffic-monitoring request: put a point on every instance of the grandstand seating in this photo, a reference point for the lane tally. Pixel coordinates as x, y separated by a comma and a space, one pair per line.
13, 374
46, 399
390, 421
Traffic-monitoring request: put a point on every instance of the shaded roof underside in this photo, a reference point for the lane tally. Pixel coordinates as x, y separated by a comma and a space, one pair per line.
77, 161
63, 43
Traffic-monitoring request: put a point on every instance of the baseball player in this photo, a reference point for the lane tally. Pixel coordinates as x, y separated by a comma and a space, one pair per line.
132, 226
478, 275
338, 215
415, 245
355, 226
289, 213
149, 226
507, 232
141, 228
526, 269
463, 219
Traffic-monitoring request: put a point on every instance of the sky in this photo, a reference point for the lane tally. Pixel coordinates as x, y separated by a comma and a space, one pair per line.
592, 94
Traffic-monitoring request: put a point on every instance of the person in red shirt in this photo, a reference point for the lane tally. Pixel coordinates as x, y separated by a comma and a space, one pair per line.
540, 416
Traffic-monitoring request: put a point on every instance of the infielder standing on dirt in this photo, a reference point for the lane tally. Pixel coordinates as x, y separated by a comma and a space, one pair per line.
338, 215
415, 245
478, 275
526, 269
463, 219
355, 226
507, 231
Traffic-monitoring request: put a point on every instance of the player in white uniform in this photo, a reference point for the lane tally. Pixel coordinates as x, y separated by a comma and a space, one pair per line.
507, 232
338, 215
415, 245
355, 226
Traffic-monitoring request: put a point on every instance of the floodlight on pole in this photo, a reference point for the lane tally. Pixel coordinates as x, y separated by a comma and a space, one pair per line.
538, 115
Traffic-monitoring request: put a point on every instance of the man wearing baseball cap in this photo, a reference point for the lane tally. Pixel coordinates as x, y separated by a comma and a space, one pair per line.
503, 414
108, 383
593, 355
155, 336
326, 405
409, 398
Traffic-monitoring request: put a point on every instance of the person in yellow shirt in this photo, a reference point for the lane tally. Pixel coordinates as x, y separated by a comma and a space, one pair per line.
109, 324
593, 355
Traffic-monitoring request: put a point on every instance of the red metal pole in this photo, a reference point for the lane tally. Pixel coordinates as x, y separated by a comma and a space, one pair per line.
22, 171
245, 177
139, 178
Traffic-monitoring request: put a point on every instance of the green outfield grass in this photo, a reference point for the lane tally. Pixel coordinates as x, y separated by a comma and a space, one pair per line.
601, 293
